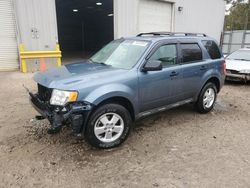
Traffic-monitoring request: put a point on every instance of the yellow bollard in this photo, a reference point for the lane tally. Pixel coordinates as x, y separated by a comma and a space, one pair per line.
39, 54
59, 62
23, 61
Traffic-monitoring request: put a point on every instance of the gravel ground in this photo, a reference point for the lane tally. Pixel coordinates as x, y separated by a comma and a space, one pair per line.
177, 148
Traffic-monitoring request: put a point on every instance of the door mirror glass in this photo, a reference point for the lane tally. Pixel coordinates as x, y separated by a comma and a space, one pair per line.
152, 65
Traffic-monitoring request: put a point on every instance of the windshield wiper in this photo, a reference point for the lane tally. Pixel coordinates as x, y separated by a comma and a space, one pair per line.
91, 61
102, 63
242, 59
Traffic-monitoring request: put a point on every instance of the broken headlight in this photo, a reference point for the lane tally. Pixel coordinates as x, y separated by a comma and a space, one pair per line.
60, 97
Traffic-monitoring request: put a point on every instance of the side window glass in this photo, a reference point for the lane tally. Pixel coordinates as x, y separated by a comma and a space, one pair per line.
191, 53
167, 54
212, 49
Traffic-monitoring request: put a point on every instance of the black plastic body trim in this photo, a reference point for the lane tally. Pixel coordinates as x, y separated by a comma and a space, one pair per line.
74, 113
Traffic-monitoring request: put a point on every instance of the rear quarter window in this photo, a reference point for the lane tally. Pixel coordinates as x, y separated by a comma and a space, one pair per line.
191, 52
212, 49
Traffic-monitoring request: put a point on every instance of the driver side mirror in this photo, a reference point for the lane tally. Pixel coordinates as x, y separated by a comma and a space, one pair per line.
152, 65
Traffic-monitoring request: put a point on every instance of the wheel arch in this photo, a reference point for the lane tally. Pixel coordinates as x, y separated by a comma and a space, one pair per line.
212, 79
123, 101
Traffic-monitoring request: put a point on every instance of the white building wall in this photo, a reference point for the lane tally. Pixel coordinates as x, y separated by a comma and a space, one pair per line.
37, 24
37, 29
204, 16
155, 16
125, 18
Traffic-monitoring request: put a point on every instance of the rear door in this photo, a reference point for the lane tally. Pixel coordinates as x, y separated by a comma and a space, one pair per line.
194, 67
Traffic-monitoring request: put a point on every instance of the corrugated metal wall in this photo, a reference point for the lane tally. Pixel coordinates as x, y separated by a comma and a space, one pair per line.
8, 40
125, 18
37, 24
197, 16
234, 40
37, 27
155, 16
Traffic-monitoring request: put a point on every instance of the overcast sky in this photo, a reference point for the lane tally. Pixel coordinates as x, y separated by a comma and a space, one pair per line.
229, 6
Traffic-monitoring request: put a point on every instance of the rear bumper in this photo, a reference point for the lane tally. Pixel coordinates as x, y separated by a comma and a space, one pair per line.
238, 77
75, 113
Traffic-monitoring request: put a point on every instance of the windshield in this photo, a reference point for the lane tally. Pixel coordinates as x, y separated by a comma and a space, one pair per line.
243, 55
121, 53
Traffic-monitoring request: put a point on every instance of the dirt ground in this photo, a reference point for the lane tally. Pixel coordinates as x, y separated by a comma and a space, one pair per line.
177, 148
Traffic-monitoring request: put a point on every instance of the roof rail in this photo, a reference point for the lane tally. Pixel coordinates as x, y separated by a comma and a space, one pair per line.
172, 34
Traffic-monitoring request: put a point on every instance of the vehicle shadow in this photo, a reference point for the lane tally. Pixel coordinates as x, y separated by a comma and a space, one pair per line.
237, 83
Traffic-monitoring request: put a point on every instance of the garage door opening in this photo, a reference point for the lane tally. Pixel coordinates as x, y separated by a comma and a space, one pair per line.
83, 27
155, 16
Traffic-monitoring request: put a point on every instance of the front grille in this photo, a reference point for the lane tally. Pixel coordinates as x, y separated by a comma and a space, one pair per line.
44, 93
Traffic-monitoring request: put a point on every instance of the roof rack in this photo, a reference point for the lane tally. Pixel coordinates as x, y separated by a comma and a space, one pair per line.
172, 34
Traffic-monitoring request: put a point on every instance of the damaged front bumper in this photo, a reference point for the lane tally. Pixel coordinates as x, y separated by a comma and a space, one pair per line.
238, 77
76, 113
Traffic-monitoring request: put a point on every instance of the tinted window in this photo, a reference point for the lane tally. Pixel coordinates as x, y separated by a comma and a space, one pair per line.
167, 54
191, 53
212, 49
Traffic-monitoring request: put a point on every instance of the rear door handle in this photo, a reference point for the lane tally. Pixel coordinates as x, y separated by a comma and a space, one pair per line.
203, 67
173, 74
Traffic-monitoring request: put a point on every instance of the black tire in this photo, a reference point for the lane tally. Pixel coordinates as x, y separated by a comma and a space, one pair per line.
200, 104
102, 111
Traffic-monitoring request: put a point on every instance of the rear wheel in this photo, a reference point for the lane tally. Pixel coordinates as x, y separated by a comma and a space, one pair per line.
109, 126
207, 98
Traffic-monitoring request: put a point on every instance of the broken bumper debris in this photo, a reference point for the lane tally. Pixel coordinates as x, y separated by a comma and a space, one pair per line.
75, 114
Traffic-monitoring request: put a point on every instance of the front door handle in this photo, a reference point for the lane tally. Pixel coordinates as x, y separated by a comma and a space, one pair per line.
203, 67
173, 74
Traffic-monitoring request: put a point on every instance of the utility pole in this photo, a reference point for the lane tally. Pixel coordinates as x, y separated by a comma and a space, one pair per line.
245, 25
247, 16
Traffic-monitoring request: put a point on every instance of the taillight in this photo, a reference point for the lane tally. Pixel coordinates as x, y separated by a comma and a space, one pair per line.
224, 67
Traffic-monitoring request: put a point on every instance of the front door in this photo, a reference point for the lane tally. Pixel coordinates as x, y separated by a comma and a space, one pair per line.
160, 88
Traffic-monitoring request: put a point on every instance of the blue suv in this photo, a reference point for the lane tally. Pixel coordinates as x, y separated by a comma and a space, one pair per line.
128, 79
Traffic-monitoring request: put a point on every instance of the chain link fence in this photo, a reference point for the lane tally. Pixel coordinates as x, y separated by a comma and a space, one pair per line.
234, 40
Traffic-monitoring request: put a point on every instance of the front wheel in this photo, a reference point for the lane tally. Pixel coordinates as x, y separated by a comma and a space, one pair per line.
108, 126
207, 98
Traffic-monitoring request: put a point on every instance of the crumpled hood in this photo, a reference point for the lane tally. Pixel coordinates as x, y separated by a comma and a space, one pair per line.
237, 65
67, 76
